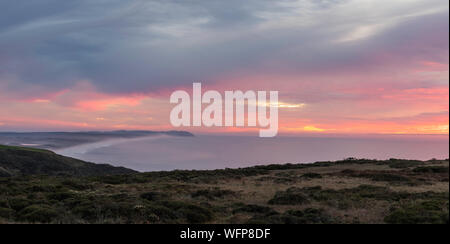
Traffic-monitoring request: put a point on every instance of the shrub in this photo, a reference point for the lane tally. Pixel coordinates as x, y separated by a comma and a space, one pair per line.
87, 210
117, 210
38, 214
19, 203
153, 196
311, 216
307, 216
6, 213
349, 172
377, 175
196, 215
283, 180
192, 213
163, 213
424, 213
401, 164
254, 209
431, 169
76, 185
42, 188
60, 196
212, 194
312, 176
388, 177
345, 198
292, 196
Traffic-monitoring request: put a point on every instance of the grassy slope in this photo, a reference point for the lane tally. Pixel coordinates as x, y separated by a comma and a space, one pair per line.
16, 161
349, 191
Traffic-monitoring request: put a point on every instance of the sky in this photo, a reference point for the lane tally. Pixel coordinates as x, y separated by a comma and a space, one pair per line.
340, 66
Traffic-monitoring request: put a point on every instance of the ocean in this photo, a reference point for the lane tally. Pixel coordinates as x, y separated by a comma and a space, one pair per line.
202, 152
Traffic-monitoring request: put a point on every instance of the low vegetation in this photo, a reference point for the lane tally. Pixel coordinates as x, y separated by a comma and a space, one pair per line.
348, 191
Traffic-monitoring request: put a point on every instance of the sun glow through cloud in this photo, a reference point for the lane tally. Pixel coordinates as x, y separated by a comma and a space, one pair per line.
340, 66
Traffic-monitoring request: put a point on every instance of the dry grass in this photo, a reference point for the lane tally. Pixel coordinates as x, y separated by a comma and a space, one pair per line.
258, 189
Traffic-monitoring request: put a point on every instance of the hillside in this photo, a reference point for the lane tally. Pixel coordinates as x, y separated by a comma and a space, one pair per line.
349, 191
18, 161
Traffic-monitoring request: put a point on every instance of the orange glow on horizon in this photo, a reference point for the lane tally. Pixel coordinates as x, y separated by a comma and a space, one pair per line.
102, 104
357, 110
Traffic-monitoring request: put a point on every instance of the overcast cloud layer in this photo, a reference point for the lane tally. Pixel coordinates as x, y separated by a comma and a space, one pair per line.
312, 50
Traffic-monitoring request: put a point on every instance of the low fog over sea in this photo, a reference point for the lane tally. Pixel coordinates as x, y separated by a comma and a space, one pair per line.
165, 152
